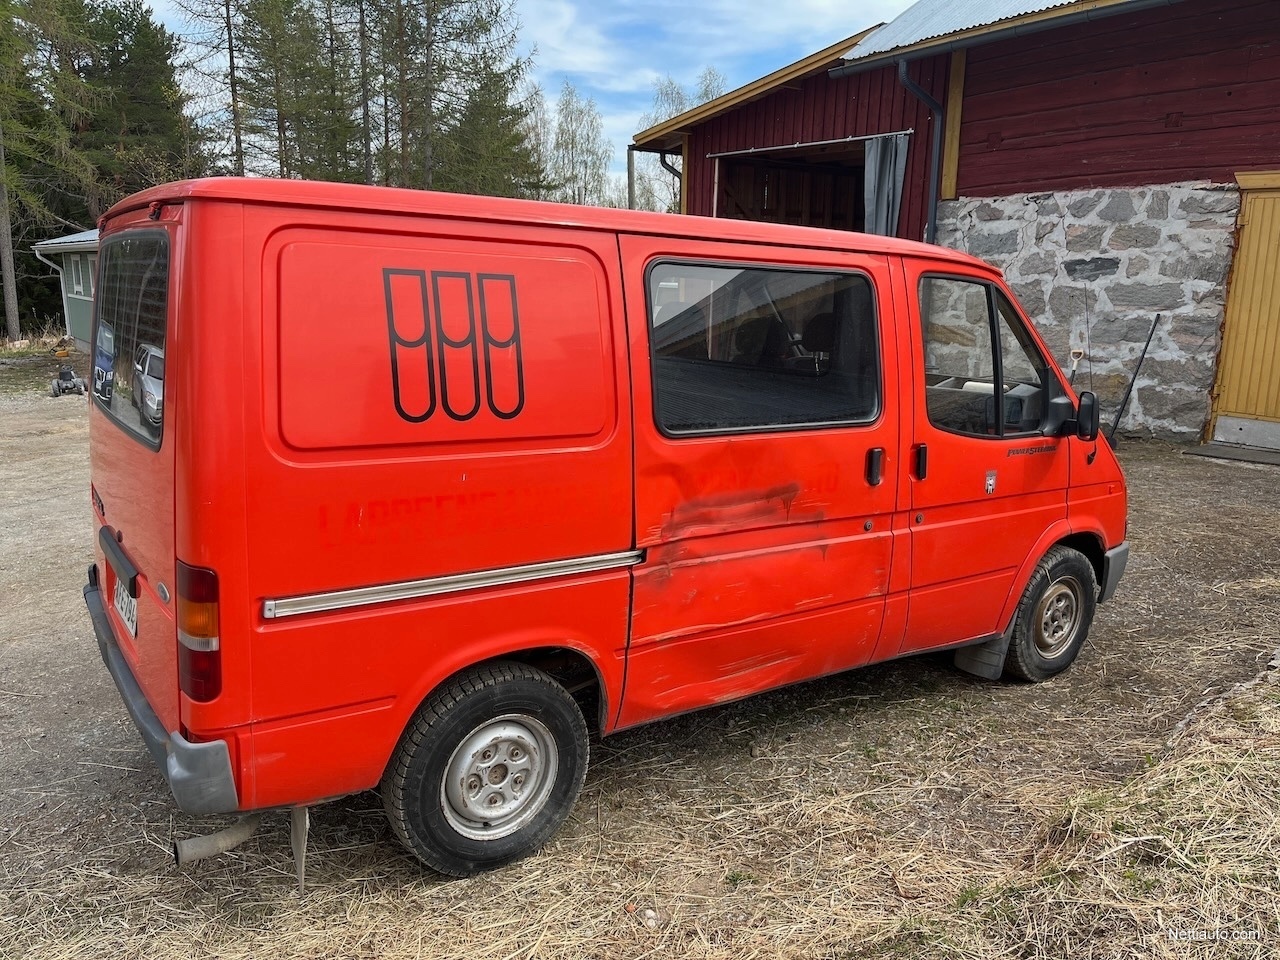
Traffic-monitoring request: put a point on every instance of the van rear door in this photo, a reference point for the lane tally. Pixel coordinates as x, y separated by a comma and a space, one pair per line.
132, 438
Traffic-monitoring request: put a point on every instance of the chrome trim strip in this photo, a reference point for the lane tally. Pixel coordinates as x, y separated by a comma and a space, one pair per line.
455, 583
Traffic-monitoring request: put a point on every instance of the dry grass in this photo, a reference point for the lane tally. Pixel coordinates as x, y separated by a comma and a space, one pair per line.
37, 341
1189, 849
1192, 843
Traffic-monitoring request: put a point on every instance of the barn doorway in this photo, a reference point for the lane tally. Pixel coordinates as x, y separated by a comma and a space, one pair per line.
822, 184
817, 192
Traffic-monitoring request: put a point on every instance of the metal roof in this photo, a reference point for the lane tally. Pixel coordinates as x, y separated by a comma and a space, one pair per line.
932, 19
86, 240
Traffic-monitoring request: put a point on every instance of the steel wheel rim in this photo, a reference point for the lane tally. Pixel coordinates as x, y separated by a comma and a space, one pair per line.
499, 777
1057, 617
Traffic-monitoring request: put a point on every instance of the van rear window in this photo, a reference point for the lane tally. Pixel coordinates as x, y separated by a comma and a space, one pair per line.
131, 317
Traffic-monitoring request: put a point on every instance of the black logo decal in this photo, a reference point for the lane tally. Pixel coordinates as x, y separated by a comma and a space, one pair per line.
444, 327
501, 349
400, 342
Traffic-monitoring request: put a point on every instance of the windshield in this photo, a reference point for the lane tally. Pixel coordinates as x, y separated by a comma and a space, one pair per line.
132, 310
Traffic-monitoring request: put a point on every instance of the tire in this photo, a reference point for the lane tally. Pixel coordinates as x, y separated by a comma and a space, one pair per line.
1053, 617
54, 391
445, 767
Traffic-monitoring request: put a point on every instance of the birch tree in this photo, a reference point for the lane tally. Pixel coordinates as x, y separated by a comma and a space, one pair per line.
656, 187
580, 154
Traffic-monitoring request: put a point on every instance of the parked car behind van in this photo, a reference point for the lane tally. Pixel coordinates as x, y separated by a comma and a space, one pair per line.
148, 383
103, 361
436, 484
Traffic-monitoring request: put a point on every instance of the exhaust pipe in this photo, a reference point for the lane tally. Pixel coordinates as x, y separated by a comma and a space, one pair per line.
199, 848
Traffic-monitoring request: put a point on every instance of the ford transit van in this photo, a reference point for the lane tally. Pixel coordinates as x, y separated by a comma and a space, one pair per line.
438, 485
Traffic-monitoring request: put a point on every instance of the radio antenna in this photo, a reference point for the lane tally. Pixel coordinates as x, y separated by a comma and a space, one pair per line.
1124, 401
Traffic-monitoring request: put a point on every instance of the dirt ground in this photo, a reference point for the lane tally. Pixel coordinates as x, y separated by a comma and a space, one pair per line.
870, 814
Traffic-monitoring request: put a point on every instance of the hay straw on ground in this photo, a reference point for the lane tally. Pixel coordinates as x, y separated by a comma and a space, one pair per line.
1191, 844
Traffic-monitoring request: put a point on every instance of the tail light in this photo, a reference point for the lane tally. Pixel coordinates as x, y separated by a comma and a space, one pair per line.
199, 653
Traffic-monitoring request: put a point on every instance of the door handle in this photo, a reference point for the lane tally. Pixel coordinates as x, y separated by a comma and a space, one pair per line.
922, 461
875, 466
125, 570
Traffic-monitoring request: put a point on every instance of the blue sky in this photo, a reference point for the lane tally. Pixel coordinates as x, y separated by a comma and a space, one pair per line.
614, 50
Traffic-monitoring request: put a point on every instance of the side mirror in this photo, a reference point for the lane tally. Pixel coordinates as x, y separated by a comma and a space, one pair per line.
1057, 416
1087, 417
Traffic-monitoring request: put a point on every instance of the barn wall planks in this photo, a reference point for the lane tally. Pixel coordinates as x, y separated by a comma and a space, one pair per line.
825, 109
1178, 93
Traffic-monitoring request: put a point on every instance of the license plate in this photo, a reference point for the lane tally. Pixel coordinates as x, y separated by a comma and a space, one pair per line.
127, 607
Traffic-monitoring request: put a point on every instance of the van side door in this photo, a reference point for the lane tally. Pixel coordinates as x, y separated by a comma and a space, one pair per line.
766, 430
986, 485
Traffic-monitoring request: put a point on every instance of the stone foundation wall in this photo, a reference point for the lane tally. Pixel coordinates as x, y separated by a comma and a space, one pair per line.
1093, 268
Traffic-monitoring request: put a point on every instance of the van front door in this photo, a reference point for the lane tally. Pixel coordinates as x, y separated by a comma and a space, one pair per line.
986, 484
766, 430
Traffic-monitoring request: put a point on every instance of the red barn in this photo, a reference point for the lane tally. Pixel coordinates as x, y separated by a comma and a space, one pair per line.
1118, 158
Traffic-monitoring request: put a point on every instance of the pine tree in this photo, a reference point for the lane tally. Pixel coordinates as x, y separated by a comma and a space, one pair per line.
41, 100
280, 46
136, 133
214, 35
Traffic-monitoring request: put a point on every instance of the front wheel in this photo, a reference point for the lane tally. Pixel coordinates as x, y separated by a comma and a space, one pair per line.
1054, 615
488, 770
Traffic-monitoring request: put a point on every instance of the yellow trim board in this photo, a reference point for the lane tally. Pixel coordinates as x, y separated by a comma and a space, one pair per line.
666, 135
1259, 180
951, 136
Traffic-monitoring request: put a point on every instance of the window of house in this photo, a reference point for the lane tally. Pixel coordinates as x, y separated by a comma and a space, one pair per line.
93, 273
977, 349
77, 275
749, 348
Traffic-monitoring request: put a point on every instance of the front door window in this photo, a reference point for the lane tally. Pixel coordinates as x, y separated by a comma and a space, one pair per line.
976, 349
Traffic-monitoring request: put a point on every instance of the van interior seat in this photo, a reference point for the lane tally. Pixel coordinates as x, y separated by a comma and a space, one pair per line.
761, 341
820, 333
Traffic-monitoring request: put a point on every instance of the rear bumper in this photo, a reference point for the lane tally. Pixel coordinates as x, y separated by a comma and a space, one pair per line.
199, 774
1113, 565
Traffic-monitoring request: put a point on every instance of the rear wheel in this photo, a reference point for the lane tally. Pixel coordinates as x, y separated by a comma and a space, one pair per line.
1053, 616
488, 770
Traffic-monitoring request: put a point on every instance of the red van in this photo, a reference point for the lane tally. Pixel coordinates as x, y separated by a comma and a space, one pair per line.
436, 483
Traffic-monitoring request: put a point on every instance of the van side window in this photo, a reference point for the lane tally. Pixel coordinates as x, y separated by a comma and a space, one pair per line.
750, 348
975, 349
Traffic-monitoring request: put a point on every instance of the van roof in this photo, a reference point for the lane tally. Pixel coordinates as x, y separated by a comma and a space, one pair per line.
348, 196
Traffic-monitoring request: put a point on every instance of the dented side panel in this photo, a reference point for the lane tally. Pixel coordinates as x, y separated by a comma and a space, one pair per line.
768, 554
